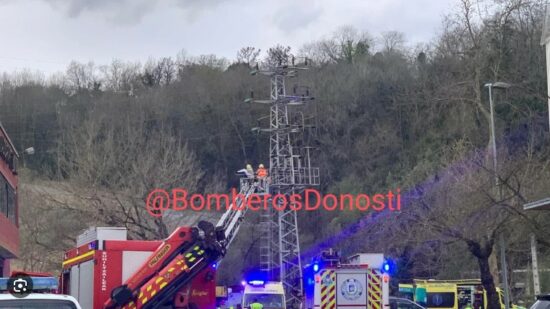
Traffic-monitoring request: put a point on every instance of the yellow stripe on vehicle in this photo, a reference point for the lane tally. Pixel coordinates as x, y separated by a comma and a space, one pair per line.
375, 289
328, 292
80, 257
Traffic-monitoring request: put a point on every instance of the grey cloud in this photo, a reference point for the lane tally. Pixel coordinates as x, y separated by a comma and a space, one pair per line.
127, 11
292, 18
195, 5
124, 12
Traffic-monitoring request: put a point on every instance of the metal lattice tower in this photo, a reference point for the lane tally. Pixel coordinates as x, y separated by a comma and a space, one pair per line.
290, 172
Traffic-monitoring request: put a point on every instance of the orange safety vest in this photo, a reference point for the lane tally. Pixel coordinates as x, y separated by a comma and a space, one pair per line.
262, 173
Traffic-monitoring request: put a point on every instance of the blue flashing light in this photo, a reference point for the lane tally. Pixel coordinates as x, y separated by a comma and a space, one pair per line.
315, 267
215, 265
388, 267
38, 283
44, 283
256, 278
256, 282
243, 283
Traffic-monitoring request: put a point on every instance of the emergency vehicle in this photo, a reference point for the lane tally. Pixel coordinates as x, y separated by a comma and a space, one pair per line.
359, 282
448, 294
39, 301
105, 270
229, 297
42, 294
270, 294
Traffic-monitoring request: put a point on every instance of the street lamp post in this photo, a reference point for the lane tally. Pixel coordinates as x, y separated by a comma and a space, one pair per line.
490, 86
27, 152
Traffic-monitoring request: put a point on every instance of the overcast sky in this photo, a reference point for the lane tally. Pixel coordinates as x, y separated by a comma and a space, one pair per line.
46, 35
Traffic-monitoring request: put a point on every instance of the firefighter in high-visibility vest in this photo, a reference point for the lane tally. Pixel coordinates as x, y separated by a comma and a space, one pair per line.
256, 305
262, 172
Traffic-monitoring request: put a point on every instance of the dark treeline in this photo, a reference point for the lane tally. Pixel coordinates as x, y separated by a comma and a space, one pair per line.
387, 116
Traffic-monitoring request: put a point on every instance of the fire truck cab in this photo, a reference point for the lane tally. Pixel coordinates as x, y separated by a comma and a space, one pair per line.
104, 259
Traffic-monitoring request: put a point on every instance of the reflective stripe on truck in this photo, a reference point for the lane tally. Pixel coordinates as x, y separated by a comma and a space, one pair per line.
328, 289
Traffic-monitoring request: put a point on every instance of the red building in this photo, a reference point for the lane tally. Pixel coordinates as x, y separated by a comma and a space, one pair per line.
9, 233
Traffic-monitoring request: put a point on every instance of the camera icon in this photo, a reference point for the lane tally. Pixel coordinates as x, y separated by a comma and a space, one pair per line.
20, 285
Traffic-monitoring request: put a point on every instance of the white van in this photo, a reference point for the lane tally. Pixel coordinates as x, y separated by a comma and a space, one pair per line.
270, 294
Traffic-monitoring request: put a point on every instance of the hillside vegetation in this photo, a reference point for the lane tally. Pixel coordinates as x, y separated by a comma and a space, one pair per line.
387, 116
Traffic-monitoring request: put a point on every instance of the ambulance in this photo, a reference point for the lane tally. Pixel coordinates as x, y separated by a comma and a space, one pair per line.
270, 294
449, 294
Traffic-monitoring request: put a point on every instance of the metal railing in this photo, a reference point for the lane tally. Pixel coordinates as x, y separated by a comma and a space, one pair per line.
304, 176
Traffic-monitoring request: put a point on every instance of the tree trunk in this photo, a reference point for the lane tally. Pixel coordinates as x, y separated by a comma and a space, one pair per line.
488, 283
493, 266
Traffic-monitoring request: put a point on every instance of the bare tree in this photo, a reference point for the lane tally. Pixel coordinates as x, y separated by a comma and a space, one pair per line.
248, 55
462, 204
122, 165
393, 40
278, 55
82, 76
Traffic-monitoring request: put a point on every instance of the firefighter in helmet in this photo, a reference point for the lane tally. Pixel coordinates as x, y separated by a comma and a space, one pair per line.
250, 171
262, 172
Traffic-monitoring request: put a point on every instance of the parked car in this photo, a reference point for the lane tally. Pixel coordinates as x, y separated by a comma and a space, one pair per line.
38, 301
543, 302
404, 303
33, 293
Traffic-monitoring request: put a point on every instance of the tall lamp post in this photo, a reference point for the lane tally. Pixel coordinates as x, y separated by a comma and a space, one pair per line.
504, 267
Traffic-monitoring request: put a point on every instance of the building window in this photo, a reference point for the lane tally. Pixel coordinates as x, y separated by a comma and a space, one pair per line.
7, 200
11, 204
3, 197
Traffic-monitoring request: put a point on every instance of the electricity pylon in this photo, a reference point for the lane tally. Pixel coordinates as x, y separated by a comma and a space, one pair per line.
290, 172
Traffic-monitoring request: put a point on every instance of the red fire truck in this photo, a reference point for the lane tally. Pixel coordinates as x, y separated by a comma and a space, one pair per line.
360, 281
106, 270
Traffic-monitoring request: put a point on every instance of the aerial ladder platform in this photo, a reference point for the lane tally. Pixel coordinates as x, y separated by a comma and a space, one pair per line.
103, 271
